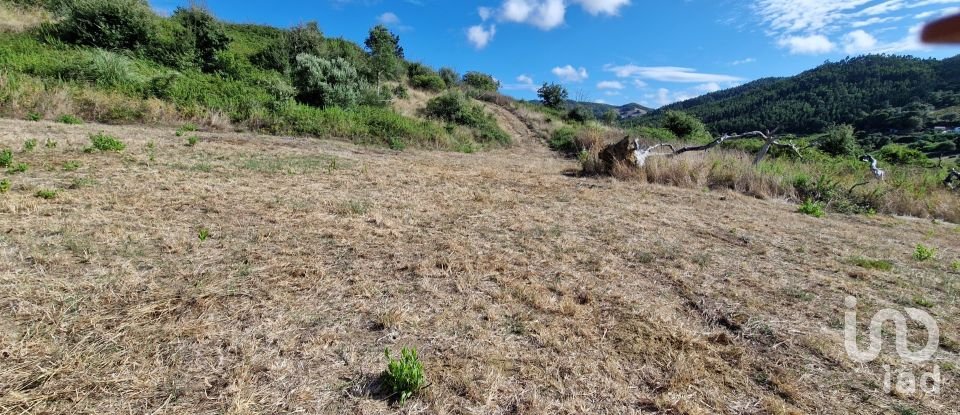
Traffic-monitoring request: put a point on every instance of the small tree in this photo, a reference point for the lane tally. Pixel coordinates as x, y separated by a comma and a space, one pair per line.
386, 55
450, 77
481, 82
108, 24
684, 125
611, 116
552, 95
839, 141
206, 33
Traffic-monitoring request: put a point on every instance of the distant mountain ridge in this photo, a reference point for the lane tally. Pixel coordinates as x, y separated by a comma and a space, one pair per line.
875, 93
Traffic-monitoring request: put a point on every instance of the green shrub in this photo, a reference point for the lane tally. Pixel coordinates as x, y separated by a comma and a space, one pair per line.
684, 126
450, 77
46, 194
812, 208
401, 92
481, 81
404, 376
50, 143
4, 186
955, 265
428, 82
103, 142
70, 119
186, 128
455, 107
6, 158
923, 253
192, 141
108, 24
110, 70
580, 114
903, 155
206, 34
839, 140
29, 145
323, 83
34, 116
18, 168
564, 140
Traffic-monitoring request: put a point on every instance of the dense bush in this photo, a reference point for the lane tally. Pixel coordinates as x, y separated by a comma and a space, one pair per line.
206, 35
564, 140
450, 77
456, 108
839, 140
684, 126
430, 82
323, 83
903, 155
481, 81
580, 114
108, 24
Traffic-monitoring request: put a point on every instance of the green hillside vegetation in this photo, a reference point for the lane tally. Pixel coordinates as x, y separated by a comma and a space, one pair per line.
888, 99
116, 61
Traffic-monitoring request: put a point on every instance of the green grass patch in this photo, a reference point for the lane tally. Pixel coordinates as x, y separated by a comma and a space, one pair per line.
71, 165
16, 168
70, 119
6, 158
192, 141
29, 145
4, 186
877, 264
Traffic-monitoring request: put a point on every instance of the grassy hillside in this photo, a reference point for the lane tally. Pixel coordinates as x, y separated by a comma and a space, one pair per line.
117, 62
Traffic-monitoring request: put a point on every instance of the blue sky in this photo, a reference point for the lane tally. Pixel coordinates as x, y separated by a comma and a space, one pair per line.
617, 51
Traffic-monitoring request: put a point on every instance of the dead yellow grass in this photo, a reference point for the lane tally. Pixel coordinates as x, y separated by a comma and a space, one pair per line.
19, 19
525, 291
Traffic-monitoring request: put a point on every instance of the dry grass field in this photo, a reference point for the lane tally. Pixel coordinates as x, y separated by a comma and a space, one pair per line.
525, 290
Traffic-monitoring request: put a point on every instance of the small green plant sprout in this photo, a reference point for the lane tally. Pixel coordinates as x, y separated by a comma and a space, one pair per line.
70, 119
955, 266
404, 376
34, 116
103, 142
4, 186
203, 234
50, 144
923, 253
29, 145
192, 140
6, 158
812, 208
18, 168
186, 128
46, 194
71, 165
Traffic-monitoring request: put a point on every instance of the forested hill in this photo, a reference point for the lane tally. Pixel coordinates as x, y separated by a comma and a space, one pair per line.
875, 93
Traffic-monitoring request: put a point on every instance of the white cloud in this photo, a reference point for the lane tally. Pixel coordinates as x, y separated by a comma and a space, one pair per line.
545, 14
524, 83
858, 41
570, 74
609, 85
388, 18
743, 61
609, 7
813, 26
667, 74
807, 45
480, 36
485, 13
639, 84
708, 87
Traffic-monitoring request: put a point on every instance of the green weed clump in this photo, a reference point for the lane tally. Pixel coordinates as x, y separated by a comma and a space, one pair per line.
203, 234
71, 165
812, 208
18, 168
29, 145
34, 116
51, 144
924, 253
6, 158
103, 142
186, 128
404, 376
192, 141
46, 194
70, 119
4, 186
877, 264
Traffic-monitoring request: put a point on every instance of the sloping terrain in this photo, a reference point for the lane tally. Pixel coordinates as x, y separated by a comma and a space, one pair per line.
524, 289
